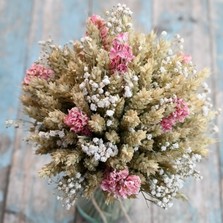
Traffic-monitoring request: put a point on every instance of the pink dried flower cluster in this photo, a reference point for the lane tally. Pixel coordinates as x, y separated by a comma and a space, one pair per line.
37, 70
121, 184
186, 58
77, 121
120, 53
180, 113
101, 25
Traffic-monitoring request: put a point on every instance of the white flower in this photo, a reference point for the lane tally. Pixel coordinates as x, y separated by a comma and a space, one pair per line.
161, 101
128, 92
110, 113
95, 85
106, 80
163, 148
113, 99
95, 98
93, 107
99, 150
149, 136
119, 29
170, 52
100, 91
82, 85
163, 33
109, 122
175, 146
107, 93
109, 25
205, 110
101, 104
162, 69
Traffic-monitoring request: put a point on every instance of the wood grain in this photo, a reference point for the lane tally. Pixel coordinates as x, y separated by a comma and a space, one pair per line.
14, 30
216, 18
29, 198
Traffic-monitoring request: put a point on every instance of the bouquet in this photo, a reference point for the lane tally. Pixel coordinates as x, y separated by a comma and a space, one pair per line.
119, 112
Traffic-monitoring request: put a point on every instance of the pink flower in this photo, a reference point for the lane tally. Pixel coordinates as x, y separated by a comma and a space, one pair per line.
182, 110
122, 68
120, 53
186, 58
86, 131
77, 121
96, 19
121, 184
179, 115
122, 37
121, 50
119, 64
167, 123
37, 70
101, 25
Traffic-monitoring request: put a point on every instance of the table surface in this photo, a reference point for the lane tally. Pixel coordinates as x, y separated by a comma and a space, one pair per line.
25, 198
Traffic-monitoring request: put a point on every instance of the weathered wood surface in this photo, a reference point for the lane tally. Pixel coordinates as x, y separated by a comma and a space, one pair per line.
25, 198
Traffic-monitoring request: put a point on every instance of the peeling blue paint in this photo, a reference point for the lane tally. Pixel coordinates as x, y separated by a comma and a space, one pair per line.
6, 158
1, 196
145, 15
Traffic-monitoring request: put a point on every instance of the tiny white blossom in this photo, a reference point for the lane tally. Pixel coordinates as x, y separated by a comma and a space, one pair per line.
101, 104
100, 91
119, 29
135, 78
128, 92
177, 36
93, 107
149, 136
175, 145
205, 110
107, 93
163, 148
163, 33
162, 69
106, 80
170, 52
82, 85
161, 101
110, 113
109, 25
109, 123
95, 85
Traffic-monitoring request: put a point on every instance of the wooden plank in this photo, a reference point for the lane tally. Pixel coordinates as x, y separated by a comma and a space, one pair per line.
30, 199
216, 19
14, 29
184, 17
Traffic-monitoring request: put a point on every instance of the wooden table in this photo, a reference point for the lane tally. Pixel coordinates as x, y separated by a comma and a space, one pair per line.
24, 198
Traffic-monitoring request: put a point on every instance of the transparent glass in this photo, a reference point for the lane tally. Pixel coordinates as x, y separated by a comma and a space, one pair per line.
97, 211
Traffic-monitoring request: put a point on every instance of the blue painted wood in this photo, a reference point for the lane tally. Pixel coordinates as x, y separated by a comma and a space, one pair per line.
14, 29
216, 8
33, 200
144, 17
